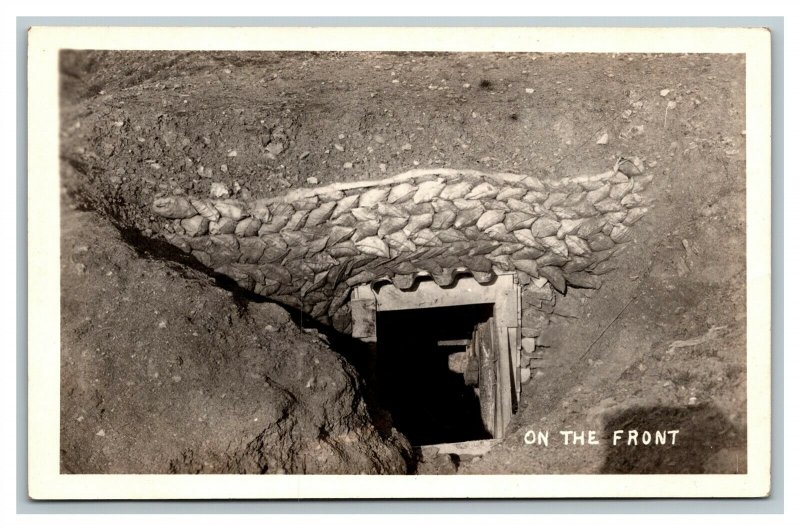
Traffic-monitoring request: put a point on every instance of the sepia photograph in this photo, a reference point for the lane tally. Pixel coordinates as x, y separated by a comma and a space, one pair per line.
414, 262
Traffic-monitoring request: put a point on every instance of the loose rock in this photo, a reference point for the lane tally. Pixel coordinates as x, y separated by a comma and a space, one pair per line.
219, 190
174, 207
528, 345
195, 226
225, 225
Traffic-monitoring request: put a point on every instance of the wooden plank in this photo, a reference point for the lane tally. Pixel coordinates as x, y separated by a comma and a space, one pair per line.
472, 374
505, 384
472, 448
454, 342
362, 292
488, 377
364, 319
502, 388
513, 344
466, 291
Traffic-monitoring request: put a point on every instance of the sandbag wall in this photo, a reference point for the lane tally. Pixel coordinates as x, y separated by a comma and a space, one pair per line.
309, 247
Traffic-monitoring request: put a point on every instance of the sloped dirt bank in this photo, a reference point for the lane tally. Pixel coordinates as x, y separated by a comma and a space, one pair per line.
164, 372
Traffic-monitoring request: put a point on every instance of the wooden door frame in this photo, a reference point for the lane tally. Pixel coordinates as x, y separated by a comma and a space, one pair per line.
503, 293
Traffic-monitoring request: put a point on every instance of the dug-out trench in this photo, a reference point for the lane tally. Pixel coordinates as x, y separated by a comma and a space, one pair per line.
416, 279
414, 378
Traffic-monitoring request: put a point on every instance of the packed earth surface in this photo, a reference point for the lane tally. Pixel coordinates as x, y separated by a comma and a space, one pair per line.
167, 367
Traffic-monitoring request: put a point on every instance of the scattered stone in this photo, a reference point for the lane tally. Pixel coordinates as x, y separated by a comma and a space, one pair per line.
525, 375
174, 207
528, 344
312, 180
232, 153
338, 147
603, 140
176, 378
664, 93
466, 85
406, 147
232, 209
382, 167
101, 433
219, 190
529, 91
347, 165
224, 168
692, 400
379, 139
305, 155
275, 148
247, 227
632, 166
225, 225
195, 226
205, 208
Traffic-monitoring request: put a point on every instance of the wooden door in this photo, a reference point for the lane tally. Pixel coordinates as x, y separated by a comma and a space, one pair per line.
486, 350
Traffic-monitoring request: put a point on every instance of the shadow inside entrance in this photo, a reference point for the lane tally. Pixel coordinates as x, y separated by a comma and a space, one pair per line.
429, 402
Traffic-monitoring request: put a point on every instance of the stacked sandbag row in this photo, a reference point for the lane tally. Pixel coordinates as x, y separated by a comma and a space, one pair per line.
310, 246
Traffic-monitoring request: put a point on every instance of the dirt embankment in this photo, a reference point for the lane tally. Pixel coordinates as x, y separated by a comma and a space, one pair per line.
662, 343
164, 372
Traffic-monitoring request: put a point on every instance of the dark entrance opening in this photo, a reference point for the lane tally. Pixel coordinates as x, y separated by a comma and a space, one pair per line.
419, 375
